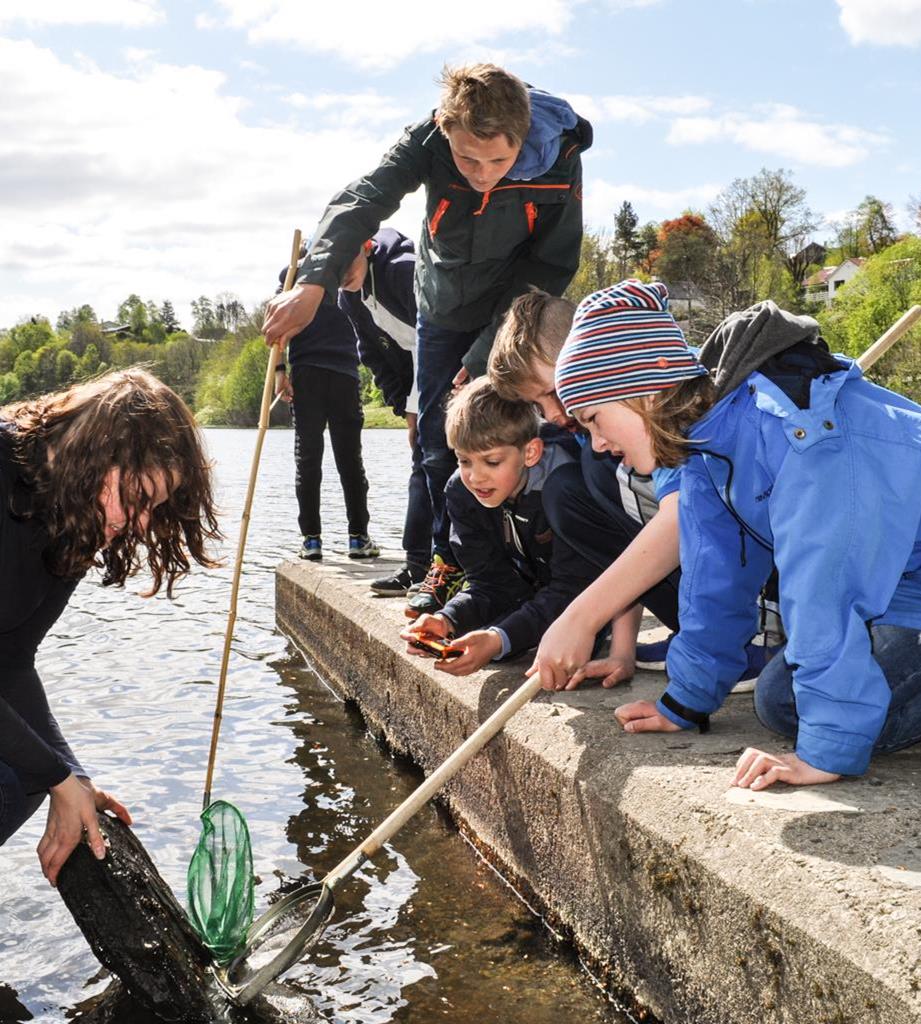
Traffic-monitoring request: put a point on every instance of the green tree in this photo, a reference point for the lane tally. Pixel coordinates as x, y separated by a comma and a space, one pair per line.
78, 315
10, 388
876, 220
168, 318
626, 244
134, 312
888, 285
597, 266
90, 362
242, 391
31, 334
66, 365
26, 370
205, 324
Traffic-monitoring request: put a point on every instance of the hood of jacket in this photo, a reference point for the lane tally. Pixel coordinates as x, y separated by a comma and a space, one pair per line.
550, 117
744, 341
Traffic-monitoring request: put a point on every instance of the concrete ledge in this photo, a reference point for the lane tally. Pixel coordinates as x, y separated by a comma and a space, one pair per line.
709, 905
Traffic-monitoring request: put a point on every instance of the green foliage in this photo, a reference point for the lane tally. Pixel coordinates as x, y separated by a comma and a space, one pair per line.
864, 308
370, 393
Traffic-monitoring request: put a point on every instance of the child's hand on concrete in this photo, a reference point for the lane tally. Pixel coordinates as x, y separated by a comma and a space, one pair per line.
757, 770
644, 716
611, 670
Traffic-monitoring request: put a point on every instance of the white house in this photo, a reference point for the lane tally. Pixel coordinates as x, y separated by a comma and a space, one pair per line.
822, 285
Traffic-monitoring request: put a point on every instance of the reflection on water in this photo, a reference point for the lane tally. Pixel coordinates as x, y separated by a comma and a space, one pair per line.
426, 933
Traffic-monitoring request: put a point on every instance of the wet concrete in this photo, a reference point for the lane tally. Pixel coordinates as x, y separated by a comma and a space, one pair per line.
707, 904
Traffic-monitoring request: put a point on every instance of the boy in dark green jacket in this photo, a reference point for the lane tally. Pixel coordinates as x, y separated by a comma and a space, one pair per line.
502, 171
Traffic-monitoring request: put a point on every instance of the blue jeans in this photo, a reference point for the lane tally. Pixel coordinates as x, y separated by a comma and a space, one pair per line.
417, 526
898, 652
439, 353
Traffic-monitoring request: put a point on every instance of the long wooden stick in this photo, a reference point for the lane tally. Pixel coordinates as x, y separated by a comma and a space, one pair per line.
264, 411
887, 340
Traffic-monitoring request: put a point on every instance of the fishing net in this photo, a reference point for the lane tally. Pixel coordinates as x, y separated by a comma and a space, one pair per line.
220, 881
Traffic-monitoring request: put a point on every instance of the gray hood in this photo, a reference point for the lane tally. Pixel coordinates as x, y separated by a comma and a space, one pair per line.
744, 341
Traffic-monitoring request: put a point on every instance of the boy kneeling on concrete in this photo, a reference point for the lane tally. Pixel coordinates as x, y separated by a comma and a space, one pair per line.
519, 576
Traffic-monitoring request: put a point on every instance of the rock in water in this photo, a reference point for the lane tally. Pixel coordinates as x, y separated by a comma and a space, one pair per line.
138, 930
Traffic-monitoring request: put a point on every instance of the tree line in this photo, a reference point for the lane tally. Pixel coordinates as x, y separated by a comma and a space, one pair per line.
751, 243
754, 242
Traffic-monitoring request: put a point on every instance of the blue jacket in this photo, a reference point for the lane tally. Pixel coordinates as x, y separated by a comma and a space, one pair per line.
389, 282
832, 493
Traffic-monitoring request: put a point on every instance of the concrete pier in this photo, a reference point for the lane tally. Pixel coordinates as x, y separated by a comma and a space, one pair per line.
706, 904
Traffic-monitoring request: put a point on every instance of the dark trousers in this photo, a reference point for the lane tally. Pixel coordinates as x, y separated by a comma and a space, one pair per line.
439, 353
417, 527
592, 520
326, 398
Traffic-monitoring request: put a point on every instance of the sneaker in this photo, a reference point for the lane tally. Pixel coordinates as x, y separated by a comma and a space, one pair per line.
397, 584
441, 583
652, 656
758, 656
312, 548
361, 546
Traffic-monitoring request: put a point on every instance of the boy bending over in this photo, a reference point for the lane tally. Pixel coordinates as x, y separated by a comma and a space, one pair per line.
520, 577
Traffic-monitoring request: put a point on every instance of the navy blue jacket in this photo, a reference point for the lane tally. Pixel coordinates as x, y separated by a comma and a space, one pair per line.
391, 266
519, 576
327, 342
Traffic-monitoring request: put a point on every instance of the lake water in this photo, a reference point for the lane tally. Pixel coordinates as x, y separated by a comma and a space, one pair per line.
427, 933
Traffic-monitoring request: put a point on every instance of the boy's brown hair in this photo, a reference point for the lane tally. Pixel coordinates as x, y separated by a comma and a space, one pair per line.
484, 101
479, 419
533, 331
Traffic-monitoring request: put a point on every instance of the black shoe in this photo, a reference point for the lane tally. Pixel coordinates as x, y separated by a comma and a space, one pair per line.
395, 585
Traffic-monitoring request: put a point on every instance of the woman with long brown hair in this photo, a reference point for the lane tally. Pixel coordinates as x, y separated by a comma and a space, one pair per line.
111, 473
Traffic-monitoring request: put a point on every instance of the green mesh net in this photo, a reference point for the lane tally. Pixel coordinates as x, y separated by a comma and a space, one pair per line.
221, 881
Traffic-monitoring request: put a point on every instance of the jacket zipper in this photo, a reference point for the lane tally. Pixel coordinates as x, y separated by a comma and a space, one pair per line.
744, 528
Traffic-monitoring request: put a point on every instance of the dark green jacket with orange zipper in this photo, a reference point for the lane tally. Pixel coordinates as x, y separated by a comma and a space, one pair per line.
478, 251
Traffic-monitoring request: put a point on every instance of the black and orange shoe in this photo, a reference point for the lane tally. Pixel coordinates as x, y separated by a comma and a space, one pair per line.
441, 583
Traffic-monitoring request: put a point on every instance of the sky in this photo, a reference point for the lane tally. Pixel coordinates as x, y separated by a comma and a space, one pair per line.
169, 148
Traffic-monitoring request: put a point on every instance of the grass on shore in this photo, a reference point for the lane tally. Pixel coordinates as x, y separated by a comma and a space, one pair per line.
380, 417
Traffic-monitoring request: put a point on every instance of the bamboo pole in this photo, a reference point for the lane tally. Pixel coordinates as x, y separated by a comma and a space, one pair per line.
264, 411
887, 340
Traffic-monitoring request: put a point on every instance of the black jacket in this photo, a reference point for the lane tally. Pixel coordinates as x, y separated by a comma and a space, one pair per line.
31, 601
391, 266
519, 576
477, 251
327, 342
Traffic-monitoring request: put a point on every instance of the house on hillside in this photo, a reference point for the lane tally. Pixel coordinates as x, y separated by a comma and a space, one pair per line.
822, 285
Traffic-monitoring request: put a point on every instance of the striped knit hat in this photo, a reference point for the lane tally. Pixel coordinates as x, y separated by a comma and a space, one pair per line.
624, 343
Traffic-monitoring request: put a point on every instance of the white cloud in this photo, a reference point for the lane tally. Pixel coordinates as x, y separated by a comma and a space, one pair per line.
782, 131
389, 34
349, 109
603, 199
129, 13
635, 109
152, 182
885, 22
